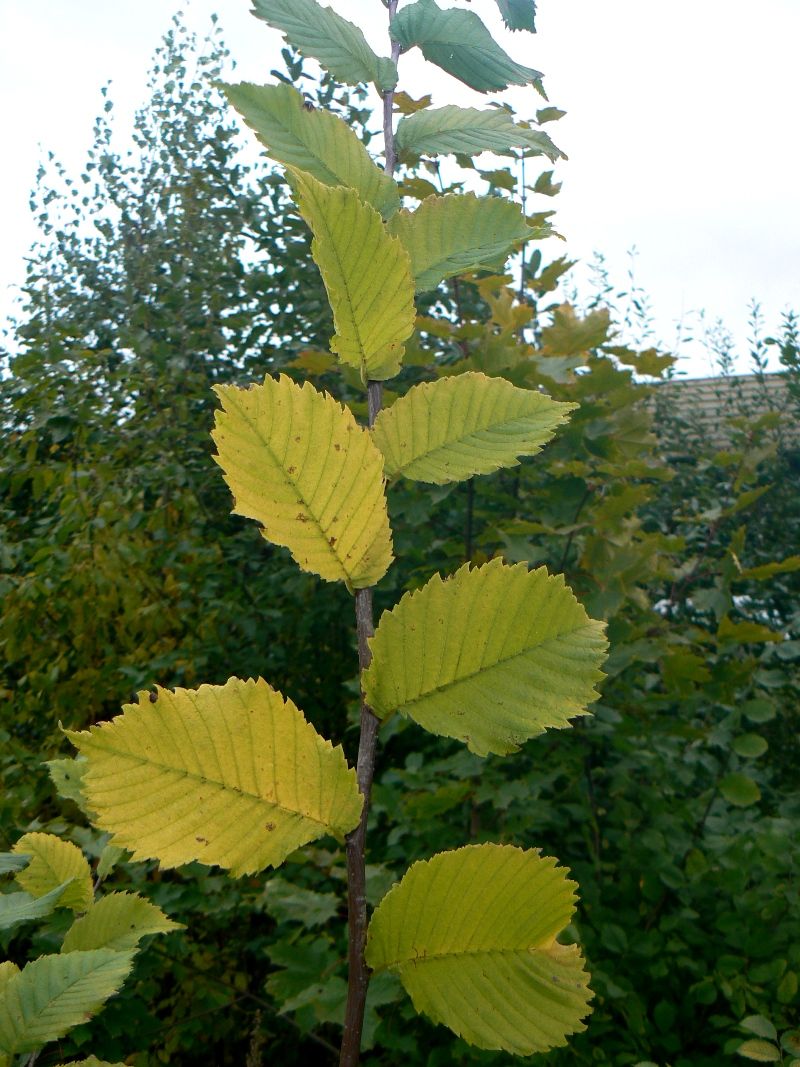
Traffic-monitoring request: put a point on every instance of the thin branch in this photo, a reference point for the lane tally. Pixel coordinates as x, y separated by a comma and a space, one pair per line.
355, 847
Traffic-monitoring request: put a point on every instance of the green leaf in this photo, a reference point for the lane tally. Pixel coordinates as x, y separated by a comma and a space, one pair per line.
745, 633
50, 996
570, 335
769, 570
54, 862
319, 32
10, 862
367, 276
491, 656
448, 430
118, 921
758, 710
18, 908
458, 42
469, 131
67, 777
740, 790
518, 14
231, 775
297, 461
293, 903
750, 746
92, 1061
452, 234
472, 936
759, 1024
7, 971
762, 1051
317, 142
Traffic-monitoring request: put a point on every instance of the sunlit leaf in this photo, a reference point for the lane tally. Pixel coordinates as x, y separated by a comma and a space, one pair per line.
231, 775
317, 142
118, 921
448, 430
469, 130
491, 656
458, 42
367, 276
448, 235
339, 45
67, 777
53, 862
297, 462
51, 995
472, 936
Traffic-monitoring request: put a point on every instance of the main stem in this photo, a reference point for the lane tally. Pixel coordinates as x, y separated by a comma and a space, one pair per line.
358, 972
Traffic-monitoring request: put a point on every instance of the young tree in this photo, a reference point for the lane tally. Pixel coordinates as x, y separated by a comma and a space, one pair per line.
491, 656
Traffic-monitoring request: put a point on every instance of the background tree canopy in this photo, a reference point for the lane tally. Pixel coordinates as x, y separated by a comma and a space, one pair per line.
179, 265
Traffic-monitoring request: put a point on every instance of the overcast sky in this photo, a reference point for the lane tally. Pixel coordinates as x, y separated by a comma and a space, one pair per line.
681, 128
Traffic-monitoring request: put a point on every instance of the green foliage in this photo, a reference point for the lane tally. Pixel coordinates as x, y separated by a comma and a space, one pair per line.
458, 42
120, 568
452, 234
46, 998
314, 142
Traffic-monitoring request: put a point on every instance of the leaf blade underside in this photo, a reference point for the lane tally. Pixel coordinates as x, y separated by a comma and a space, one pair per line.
455, 233
339, 45
317, 142
459, 43
469, 131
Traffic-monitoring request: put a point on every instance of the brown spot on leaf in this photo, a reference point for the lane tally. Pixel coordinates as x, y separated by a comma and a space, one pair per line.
269, 826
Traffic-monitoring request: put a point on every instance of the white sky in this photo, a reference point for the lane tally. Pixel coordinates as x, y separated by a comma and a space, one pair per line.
681, 128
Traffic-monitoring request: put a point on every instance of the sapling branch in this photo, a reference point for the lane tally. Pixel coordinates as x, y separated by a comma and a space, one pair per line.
358, 972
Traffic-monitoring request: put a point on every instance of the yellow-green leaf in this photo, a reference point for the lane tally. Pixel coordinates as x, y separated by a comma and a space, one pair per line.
53, 862
448, 235
231, 775
317, 142
450, 429
91, 1061
339, 45
54, 993
118, 921
491, 656
469, 131
7, 971
297, 461
761, 1051
472, 936
367, 276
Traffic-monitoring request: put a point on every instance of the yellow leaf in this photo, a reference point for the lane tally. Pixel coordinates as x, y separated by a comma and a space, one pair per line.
53, 862
231, 775
367, 275
297, 462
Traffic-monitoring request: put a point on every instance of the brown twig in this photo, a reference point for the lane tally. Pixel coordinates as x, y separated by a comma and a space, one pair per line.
355, 847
